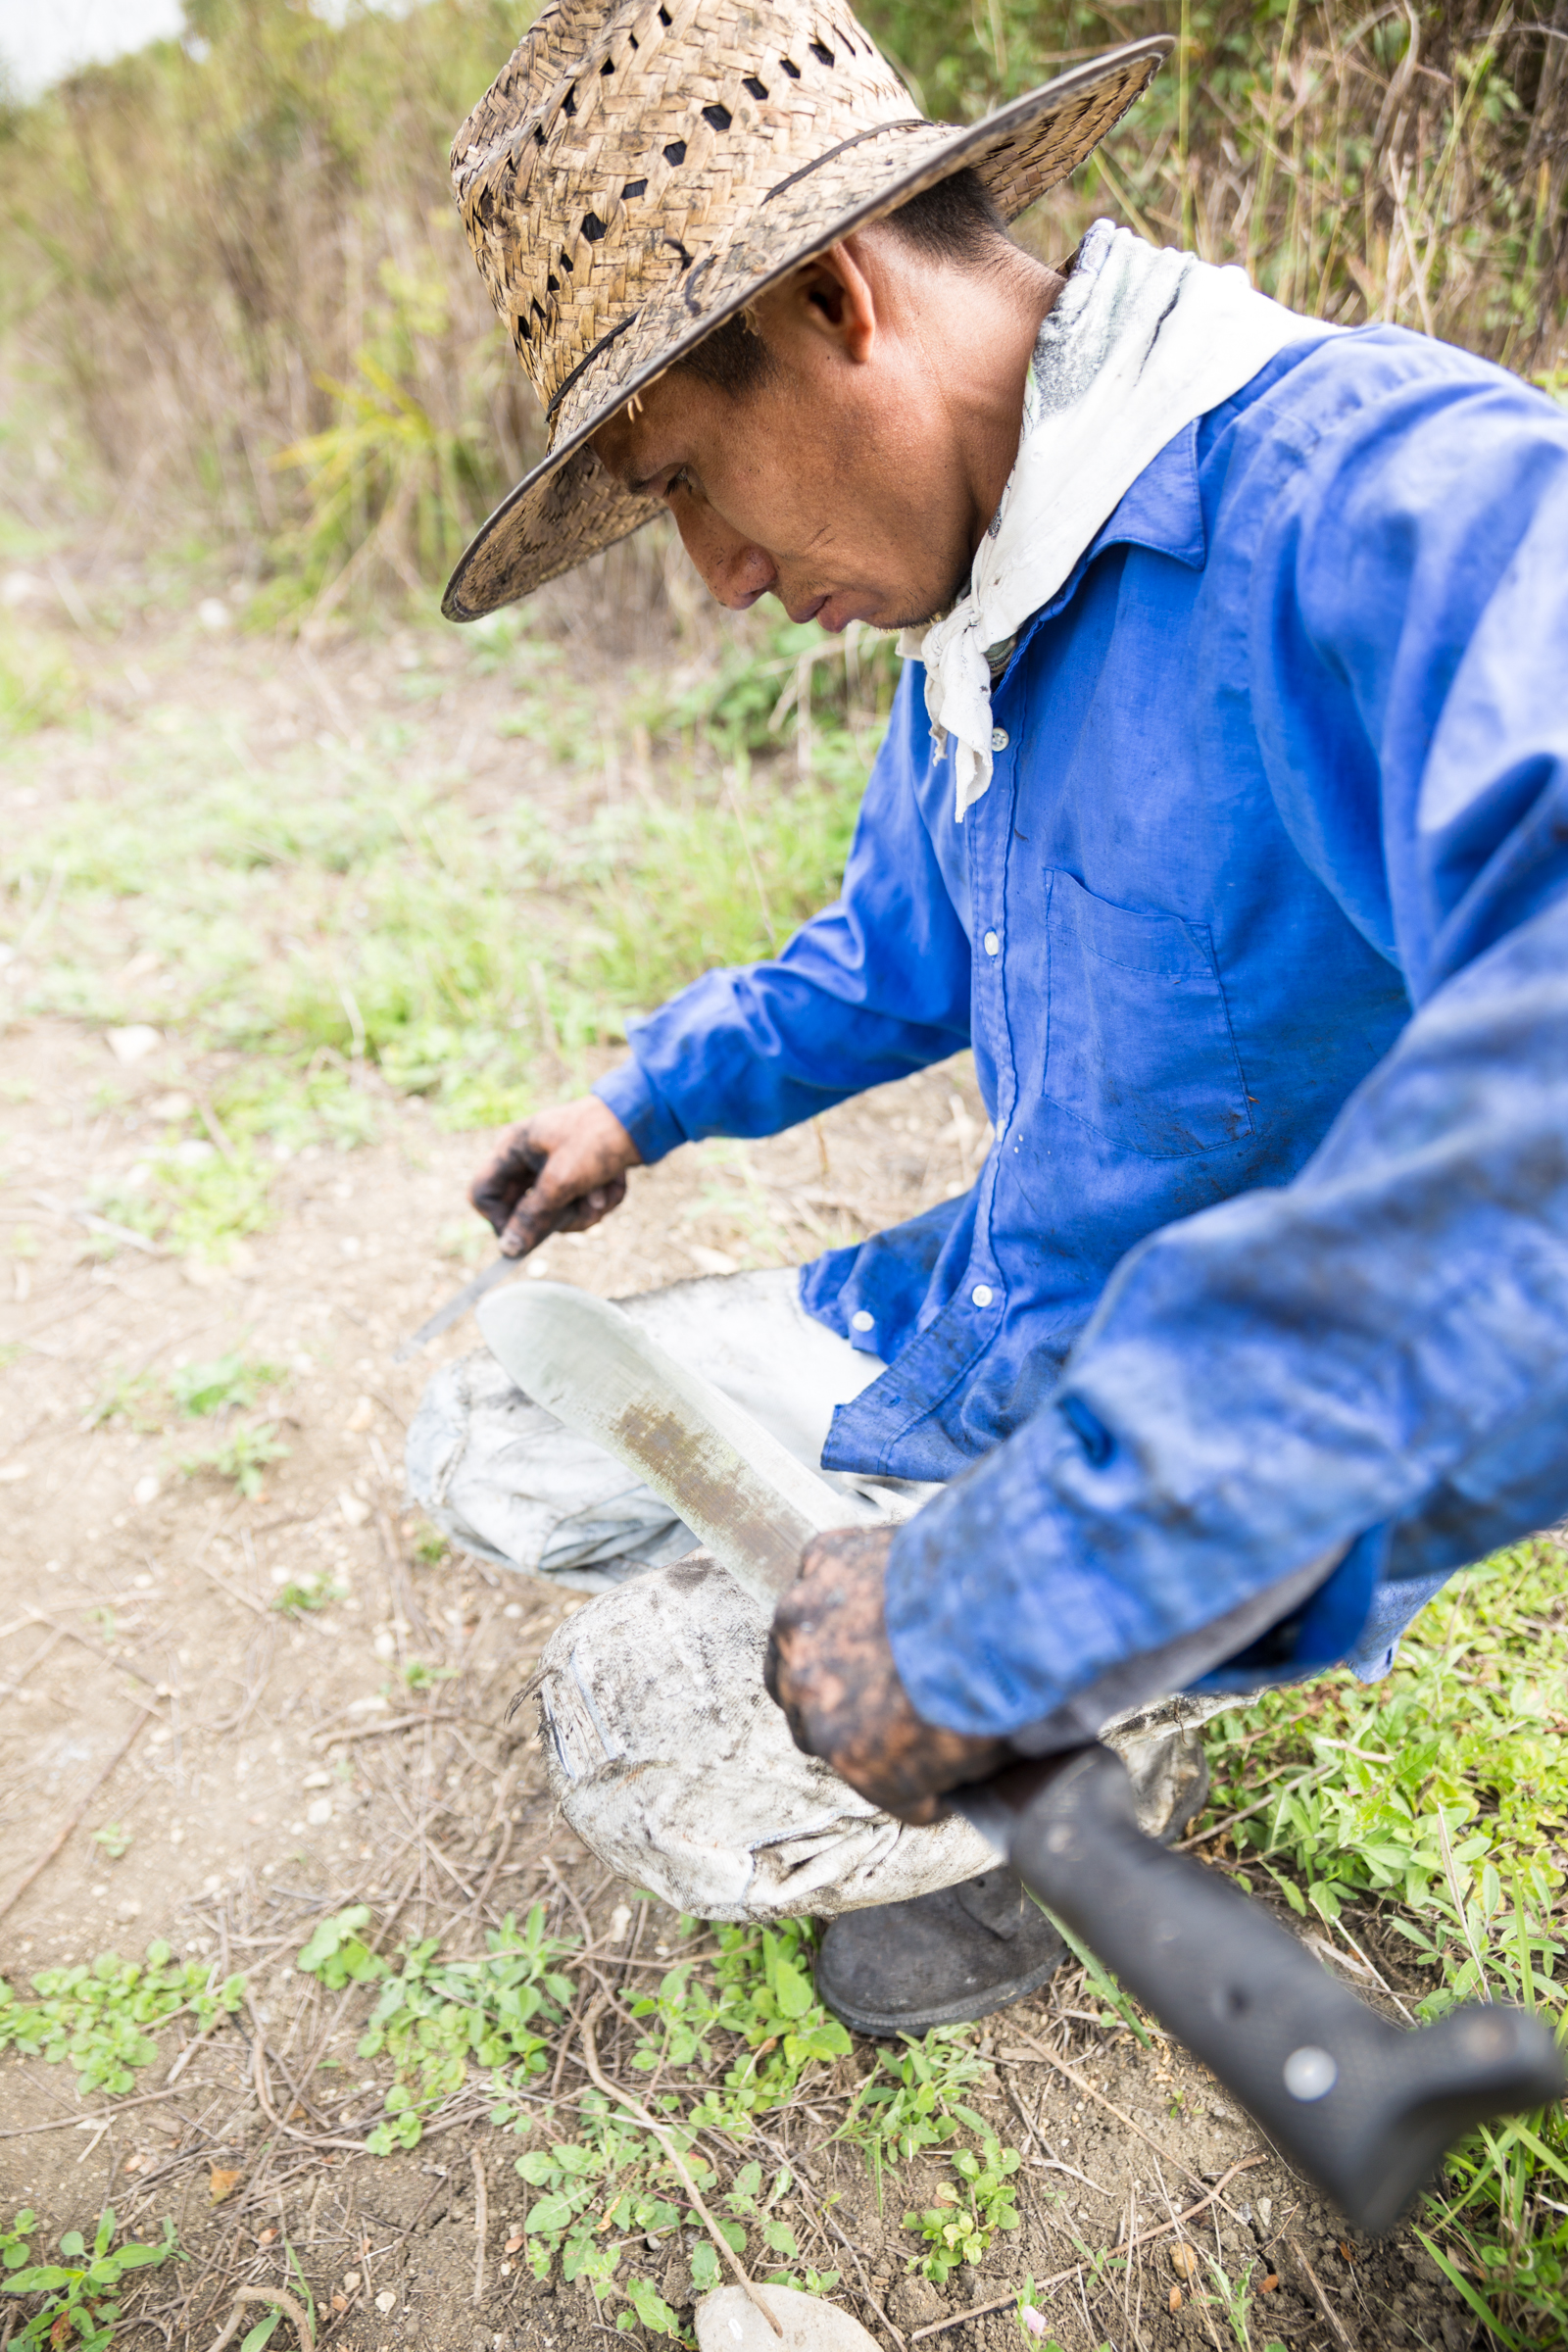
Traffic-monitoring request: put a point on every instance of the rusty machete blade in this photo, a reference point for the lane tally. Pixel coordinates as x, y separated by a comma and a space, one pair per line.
738, 1488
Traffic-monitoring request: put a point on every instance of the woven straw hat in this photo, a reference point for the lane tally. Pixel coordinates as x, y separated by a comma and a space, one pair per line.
644, 168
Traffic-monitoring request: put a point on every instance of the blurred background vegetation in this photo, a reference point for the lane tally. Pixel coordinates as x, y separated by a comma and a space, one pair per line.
237, 306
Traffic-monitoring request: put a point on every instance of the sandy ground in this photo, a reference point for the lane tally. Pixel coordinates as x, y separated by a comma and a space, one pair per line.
265, 1770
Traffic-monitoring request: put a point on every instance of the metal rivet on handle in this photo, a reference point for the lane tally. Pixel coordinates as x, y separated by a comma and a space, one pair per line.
1311, 2073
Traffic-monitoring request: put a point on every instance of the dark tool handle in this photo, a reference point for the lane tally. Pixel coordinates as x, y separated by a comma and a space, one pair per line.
1363, 2108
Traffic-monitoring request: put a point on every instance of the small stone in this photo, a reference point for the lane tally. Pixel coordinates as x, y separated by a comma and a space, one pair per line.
385, 2301
318, 1812
146, 1490
351, 2283
1184, 2261
728, 2321
354, 1511
134, 1043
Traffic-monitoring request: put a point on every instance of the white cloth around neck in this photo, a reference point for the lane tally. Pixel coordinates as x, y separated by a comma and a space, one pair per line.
1140, 342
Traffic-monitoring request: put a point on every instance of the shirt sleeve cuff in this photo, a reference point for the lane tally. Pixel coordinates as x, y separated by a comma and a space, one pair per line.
644, 1114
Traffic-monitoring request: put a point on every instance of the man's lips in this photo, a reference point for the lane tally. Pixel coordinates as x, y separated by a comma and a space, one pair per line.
835, 610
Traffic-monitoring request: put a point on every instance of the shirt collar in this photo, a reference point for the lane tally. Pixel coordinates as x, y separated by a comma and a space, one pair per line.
1163, 511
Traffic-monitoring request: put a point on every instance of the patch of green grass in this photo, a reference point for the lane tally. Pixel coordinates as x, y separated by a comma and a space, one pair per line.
335, 934
1439, 1798
38, 685
228, 1381
303, 1598
78, 2292
101, 2017
243, 1456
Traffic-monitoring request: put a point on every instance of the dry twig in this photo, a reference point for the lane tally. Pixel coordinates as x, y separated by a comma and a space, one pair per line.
622, 2098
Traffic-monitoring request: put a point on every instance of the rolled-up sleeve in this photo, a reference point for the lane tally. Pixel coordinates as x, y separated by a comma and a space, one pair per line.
1373, 1359
875, 986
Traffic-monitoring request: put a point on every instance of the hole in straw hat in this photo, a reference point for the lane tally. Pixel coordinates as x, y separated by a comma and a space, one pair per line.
609, 66
823, 54
663, 16
676, 152
569, 104
634, 187
718, 116
759, 89
791, 68
552, 282
593, 228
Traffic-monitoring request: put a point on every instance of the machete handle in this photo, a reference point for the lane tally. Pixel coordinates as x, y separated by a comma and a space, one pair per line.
1363, 2108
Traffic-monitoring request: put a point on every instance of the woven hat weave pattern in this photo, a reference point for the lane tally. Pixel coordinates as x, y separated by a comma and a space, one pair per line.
643, 169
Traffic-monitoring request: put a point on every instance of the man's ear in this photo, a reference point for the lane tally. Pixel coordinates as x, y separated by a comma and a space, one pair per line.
827, 300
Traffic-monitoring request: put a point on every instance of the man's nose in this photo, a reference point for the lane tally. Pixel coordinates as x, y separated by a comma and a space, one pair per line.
735, 570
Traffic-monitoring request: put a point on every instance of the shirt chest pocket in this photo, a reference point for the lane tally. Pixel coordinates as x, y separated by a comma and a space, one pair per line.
1138, 1044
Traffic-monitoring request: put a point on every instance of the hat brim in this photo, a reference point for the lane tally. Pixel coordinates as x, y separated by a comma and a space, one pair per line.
569, 508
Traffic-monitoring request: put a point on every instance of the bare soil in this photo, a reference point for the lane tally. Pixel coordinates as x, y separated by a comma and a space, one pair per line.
267, 1770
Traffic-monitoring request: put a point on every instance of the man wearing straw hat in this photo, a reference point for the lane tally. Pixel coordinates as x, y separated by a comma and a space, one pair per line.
1223, 811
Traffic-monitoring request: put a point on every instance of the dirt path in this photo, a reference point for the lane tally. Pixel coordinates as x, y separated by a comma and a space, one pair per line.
183, 1758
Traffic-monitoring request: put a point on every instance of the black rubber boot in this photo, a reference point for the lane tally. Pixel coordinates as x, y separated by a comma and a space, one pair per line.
945, 1958
937, 1960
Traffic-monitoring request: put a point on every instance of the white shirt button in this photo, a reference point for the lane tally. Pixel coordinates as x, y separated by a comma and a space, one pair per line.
993, 945
862, 1321
982, 1294
998, 739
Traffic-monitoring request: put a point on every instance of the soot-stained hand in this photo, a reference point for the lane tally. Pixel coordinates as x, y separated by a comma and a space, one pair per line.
830, 1667
557, 1172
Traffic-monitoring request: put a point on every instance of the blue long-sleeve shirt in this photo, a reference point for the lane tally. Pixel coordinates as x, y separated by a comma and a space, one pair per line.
1259, 941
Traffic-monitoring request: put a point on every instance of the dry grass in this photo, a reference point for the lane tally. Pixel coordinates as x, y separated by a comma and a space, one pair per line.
238, 304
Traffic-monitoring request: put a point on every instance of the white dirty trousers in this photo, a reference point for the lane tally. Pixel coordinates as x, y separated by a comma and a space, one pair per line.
663, 1750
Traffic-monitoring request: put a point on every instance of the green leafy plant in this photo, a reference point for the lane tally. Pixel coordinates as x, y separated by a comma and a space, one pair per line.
101, 2016
78, 2290
969, 2212
909, 2104
436, 2018
242, 1457
14, 2243
202, 1388
419, 1677
113, 1840
301, 1598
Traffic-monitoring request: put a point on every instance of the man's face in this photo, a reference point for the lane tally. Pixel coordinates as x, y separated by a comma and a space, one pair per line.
846, 482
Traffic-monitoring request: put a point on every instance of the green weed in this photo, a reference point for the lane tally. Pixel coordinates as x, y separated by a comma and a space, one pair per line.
229, 1381
113, 1840
969, 2212
78, 2292
242, 1457
434, 2016
302, 1598
1440, 1798
101, 2016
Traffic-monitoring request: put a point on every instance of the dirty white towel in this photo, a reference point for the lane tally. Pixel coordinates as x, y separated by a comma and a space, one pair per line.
664, 1751
672, 1764
1139, 343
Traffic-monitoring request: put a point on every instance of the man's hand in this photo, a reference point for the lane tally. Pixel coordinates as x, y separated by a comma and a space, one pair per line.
830, 1668
559, 1172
